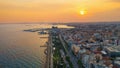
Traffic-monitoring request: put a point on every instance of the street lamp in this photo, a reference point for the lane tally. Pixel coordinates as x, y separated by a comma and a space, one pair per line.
53, 48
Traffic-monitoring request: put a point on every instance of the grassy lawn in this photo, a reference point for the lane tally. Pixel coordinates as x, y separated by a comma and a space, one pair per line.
80, 64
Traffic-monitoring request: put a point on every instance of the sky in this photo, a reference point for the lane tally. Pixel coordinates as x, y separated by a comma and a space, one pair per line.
31, 11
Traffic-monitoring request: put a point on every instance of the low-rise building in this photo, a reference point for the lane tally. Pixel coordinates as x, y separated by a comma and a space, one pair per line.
113, 51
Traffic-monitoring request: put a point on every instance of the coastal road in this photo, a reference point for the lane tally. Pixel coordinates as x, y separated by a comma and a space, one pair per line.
73, 59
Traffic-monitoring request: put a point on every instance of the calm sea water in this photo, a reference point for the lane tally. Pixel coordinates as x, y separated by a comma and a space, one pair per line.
19, 49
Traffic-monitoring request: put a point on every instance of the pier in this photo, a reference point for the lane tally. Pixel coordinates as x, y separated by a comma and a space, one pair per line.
43, 46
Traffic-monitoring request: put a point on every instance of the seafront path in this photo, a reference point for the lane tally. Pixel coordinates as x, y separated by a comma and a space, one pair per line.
49, 55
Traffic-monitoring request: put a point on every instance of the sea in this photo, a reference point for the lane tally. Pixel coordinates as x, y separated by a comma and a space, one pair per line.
21, 49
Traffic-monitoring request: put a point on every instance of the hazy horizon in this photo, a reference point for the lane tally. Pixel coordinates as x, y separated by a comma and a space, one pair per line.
60, 22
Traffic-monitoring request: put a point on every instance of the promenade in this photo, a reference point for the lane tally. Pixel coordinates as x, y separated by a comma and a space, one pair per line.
49, 55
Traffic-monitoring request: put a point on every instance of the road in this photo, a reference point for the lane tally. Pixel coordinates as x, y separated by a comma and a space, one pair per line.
73, 59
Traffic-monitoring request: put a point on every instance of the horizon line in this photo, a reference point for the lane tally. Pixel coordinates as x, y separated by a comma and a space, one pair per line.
60, 22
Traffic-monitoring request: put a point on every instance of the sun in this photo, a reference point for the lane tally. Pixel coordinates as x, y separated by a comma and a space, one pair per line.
82, 12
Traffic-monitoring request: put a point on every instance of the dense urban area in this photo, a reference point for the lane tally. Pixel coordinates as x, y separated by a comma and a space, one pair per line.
86, 46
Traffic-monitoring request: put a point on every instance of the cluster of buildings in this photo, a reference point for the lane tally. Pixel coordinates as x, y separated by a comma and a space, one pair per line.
96, 45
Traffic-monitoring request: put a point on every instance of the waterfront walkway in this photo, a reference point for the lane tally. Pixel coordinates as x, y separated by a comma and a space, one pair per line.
49, 55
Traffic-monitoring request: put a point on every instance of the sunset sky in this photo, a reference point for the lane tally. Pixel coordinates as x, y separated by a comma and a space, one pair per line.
19, 11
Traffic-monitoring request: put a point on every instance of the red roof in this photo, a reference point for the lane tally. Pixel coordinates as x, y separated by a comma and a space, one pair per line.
97, 52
